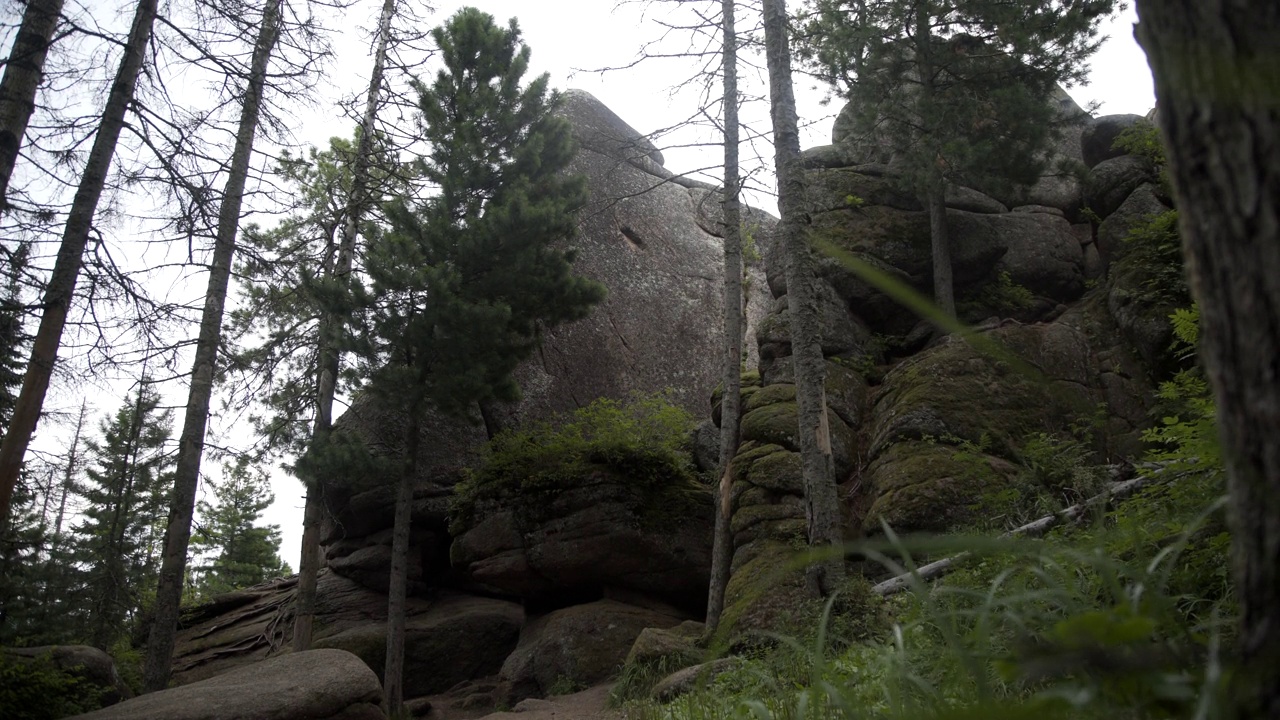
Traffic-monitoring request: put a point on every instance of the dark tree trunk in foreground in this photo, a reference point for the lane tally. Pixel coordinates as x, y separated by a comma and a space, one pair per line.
329, 360
191, 443
944, 294
66, 269
393, 677
821, 503
722, 543
1217, 76
22, 75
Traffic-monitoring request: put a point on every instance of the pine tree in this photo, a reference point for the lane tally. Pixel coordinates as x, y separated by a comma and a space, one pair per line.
12, 338
958, 90
240, 553
124, 493
22, 74
465, 281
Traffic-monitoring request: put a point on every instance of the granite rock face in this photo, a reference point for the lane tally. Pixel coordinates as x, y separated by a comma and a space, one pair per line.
312, 685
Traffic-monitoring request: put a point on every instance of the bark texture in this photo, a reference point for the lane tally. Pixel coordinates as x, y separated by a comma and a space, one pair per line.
822, 510
1217, 76
22, 74
66, 269
722, 542
329, 359
393, 677
944, 293
191, 443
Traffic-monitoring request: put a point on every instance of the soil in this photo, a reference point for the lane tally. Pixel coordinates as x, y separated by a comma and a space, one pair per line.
591, 704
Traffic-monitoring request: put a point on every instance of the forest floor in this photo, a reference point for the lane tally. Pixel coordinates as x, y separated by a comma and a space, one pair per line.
590, 704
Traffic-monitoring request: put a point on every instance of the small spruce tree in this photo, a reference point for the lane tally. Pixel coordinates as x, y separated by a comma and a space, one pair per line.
463, 283
240, 553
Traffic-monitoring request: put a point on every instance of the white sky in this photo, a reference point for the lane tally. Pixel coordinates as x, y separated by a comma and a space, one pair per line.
570, 37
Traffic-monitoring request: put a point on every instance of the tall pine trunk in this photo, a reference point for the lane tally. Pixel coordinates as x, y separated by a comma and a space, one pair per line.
21, 80
822, 510
329, 360
66, 269
393, 677
722, 542
191, 442
1217, 79
944, 294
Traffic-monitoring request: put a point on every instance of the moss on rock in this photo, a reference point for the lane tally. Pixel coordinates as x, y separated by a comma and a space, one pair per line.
929, 486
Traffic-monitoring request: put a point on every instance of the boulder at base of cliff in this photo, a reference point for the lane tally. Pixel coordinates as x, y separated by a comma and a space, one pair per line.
312, 685
458, 638
90, 666
576, 647
599, 531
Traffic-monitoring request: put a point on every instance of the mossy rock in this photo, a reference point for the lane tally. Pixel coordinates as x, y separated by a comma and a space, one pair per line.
777, 424
750, 384
769, 594
788, 509
772, 467
952, 391
769, 395
789, 530
922, 486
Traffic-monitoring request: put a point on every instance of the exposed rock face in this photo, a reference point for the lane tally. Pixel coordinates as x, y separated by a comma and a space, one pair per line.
313, 685
456, 638
604, 532
582, 645
1111, 181
653, 240
1097, 141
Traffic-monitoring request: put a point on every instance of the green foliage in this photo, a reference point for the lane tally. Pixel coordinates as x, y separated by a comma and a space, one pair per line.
12, 337
564, 685
38, 690
1154, 248
236, 551
127, 492
464, 283
1001, 295
957, 89
1143, 140
289, 280
644, 440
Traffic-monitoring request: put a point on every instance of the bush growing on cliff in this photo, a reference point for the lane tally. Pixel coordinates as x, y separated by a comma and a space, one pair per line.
644, 439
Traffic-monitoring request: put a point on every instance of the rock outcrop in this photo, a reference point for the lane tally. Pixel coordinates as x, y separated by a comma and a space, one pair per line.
312, 685
88, 664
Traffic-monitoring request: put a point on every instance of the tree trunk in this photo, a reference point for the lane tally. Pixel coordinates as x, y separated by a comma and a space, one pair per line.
822, 510
191, 443
1217, 79
22, 75
329, 360
722, 541
393, 677
66, 269
944, 293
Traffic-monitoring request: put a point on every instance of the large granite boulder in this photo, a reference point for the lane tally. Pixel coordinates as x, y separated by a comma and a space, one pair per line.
655, 242
1111, 181
577, 646
312, 685
1097, 142
599, 532
455, 639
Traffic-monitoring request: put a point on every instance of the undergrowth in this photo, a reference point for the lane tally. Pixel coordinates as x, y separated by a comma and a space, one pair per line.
644, 439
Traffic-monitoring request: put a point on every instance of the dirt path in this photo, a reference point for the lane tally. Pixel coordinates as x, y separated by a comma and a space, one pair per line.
586, 705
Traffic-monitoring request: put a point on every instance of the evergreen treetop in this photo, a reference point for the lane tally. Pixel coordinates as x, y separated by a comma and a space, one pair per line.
959, 88
238, 552
463, 282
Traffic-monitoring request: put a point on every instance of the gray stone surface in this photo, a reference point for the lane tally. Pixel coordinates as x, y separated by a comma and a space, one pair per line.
1097, 142
583, 644
312, 685
1139, 208
1110, 182
604, 531
457, 638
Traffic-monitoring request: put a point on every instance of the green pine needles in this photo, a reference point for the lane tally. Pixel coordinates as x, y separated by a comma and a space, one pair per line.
463, 284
